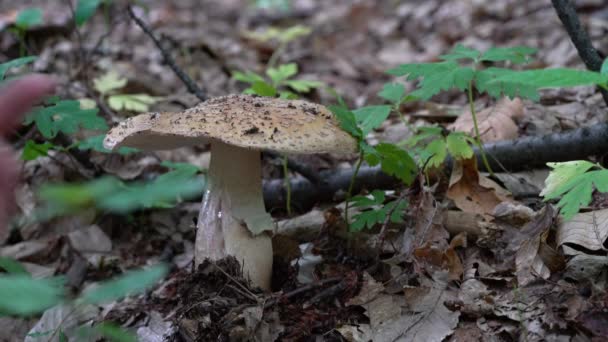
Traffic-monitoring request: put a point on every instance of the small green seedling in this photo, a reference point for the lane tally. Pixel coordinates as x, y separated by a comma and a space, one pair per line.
108, 84
376, 210
464, 69
574, 182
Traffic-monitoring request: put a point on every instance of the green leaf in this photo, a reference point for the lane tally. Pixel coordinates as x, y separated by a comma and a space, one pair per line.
603, 69
371, 117
247, 77
425, 133
378, 213
303, 86
115, 333
22, 295
347, 121
15, 63
32, 150
516, 54
263, 89
393, 161
85, 10
554, 78
575, 183
95, 143
561, 174
12, 266
392, 92
485, 81
460, 52
293, 33
436, 77
64, 116
28, 17
283, 94
458, 145
109, 82
527, 83
282, 72
129, 283
113, 195
437, 149
378, 198
138, 103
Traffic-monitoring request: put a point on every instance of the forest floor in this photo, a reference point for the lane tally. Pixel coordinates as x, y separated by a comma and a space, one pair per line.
448, 272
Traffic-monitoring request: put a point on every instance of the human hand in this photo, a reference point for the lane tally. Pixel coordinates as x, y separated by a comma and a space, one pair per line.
16, 99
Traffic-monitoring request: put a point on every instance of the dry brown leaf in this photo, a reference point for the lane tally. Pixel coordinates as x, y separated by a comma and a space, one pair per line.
472, 192
588, 230
420, 315
529, 264
447, 259
495, 123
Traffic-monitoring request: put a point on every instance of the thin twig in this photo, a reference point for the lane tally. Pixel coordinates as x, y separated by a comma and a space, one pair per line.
567, 14
190, 84
301, 290
244, 288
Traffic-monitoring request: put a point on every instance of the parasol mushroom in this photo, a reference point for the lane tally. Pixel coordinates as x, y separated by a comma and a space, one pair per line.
233, 220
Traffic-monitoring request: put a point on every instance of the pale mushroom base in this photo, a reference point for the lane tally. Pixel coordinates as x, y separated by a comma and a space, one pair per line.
233, 207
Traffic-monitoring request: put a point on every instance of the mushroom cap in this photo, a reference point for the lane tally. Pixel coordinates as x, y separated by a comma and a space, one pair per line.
265, 123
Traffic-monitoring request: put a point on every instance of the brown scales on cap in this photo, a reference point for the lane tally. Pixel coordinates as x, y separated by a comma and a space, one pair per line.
287, 126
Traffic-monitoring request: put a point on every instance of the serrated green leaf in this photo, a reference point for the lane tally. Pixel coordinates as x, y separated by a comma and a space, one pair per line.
109, 82
378, 198
22, 295
127, 284
486, 81
425, 133
561, 174
367, 219
138, 103
282, 72
12, 266
32, 150
263, 89
115, 333
64, 116
396, 162
436, 77
392, 92
85, 10
516, 54
303, 86
28, 17
397, 214
371, 117
247, 77
15, 63
347, 121
437, 149
554, 78
458, 145
95, 143
460, 52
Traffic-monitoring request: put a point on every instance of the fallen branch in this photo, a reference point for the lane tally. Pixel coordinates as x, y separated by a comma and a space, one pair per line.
567, 14
522, 154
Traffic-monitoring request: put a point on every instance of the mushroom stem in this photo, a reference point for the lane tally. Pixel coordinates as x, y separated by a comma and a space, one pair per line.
233, 220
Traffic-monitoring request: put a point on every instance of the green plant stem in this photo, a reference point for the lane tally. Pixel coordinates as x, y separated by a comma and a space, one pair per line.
275, 55
476, 127
351, 185
287, 185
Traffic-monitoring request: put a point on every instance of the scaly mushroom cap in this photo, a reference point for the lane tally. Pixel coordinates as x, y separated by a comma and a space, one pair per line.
288, 126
